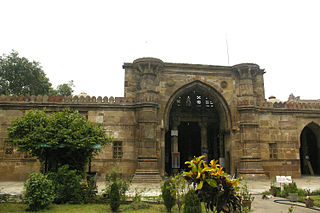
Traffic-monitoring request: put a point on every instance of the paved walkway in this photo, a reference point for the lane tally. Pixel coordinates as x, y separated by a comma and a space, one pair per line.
273, 205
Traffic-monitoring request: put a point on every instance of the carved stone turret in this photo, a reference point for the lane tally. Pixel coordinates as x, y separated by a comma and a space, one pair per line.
148, 69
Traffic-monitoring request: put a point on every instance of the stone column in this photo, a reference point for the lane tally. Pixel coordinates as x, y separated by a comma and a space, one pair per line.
250, 161
204, 139
175, 142
147, 120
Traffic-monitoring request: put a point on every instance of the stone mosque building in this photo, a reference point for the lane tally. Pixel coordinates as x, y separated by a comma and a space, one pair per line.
171, 112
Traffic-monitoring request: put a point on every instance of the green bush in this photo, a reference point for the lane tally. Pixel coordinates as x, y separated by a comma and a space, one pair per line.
114, 197
167, 195
302, 192
67, 185
316, 192
137, 202
38, 192
90, 190
192, 203
289, 188
115, 176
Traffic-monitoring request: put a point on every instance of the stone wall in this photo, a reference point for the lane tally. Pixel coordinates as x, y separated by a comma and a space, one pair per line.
251, 126
116, 115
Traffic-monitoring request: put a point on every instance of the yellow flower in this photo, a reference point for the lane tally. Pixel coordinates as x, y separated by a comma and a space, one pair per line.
213, 163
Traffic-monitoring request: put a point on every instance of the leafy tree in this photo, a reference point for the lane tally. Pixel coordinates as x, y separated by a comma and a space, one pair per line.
57, 139
65, 89
19, 76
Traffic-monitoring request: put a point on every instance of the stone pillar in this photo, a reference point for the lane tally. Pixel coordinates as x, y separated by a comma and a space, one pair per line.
147, 120
204, 139
250, 164
175, 142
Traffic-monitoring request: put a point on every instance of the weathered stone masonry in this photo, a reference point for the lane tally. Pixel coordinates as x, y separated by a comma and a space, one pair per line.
219, 111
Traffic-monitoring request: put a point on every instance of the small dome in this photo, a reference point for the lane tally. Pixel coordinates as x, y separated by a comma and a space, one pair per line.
273, 99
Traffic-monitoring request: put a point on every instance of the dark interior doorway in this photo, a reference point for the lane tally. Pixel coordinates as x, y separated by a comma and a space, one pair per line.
309, 152
189, 141
194, 115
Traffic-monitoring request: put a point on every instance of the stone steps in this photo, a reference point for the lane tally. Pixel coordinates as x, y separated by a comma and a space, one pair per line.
146, 176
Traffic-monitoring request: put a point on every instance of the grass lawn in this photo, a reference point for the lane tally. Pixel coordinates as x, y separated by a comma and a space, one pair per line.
88, 208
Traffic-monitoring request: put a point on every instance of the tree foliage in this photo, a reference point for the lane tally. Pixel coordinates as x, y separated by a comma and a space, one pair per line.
65, 89
67, 185
60, 138
19, 76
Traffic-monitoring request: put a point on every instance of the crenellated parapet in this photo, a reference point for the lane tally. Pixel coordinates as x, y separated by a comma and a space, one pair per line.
43, 99
292, 105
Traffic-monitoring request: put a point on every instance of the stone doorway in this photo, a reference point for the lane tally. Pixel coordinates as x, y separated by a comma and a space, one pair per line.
310, 150
195, 129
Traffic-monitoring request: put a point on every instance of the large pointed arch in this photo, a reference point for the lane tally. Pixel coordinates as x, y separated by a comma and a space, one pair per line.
198, 127
219, 101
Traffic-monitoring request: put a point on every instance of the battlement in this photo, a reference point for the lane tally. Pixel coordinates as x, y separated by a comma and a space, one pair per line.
43, 99
292, 105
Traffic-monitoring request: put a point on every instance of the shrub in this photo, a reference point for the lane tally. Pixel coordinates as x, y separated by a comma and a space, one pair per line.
114, 197
302, 192
289, 188
67, 185
123, 183
178, 187
167, 195
192, 203
89, 190
316, 192
137, 202
38, 192
213, 185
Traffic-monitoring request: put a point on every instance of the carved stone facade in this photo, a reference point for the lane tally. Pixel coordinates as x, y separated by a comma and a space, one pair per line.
174, 111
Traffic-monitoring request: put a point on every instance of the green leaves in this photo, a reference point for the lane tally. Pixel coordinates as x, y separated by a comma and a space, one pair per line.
38, 192
212, 182
68, 137
19, 76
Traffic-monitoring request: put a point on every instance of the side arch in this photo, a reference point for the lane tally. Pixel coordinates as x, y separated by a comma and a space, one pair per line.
309, 149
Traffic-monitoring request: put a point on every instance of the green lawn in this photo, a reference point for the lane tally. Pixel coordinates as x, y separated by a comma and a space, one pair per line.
88, 208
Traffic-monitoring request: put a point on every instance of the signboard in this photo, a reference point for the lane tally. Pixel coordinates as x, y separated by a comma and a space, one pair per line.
174, 132
284, 179
175, 160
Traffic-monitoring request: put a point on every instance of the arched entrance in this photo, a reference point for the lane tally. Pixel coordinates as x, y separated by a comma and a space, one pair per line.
198, 124
310, 150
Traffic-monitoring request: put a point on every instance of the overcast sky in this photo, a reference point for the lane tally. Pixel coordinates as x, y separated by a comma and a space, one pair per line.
88, 41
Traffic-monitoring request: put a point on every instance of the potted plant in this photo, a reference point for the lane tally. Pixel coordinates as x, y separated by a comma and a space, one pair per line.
309, 201
291, 190
246, 196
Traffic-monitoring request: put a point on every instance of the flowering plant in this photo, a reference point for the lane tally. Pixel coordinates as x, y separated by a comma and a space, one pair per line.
213, 185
